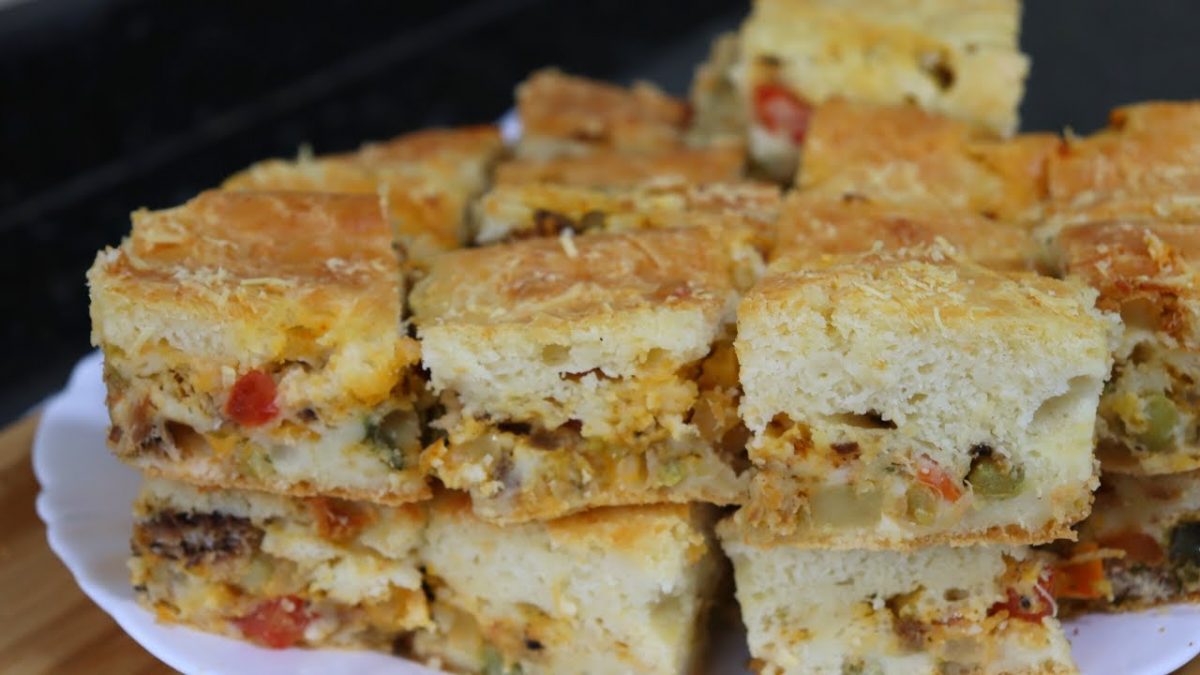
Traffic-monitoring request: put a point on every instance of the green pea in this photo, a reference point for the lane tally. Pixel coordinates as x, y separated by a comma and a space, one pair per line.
1161, 419
671, 474
493, 663
993, 477
392, 436
922, 504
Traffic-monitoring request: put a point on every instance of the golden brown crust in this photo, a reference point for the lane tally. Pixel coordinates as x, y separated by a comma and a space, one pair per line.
1150, 205
251, 279
903, 155
1145, 267
555, 106
252, 236
418, 205
435, 144
815, 226
552, 280
1152, 146
290, 299
716, 164
248, 278
512, 212
423, 179
924, 275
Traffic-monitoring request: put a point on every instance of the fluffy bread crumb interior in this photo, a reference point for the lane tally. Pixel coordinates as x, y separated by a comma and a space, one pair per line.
613, 590
896, 399
933, 610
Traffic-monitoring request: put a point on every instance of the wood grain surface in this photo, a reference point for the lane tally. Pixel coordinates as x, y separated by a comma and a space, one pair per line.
47, 625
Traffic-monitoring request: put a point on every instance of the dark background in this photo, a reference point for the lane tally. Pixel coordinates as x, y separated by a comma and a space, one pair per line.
109, 105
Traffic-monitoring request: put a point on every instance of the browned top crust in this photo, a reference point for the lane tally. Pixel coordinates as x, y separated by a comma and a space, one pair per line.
1147, 271
929, 282
716, 164
904, 155
247, 235
815, 226
568, 279
250, 278
554, 105
1151, 146
1160, 204
434, 144
424, 179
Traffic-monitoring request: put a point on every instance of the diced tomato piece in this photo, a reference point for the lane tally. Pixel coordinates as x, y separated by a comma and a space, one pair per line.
782, 112
337, 519
252, 401
1139, 547
1024, 607
929, 473
277, 623
1081, 580
1029, 607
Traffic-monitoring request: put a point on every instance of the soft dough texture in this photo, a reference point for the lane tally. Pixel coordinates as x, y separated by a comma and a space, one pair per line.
613, 590
900, 399
601, 348
347, 572
301, 291
934, 610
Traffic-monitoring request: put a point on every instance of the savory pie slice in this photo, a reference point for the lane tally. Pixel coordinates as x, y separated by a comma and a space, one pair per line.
585, 371
611, 590
970, 609
903, 399
254, 340
569, 115
424, 179
1147, 270
280, 571
953, 58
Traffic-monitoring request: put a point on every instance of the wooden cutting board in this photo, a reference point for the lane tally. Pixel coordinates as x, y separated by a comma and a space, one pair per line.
47, 625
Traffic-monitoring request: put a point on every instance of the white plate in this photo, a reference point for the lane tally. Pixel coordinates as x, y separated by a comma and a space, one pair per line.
85, 500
